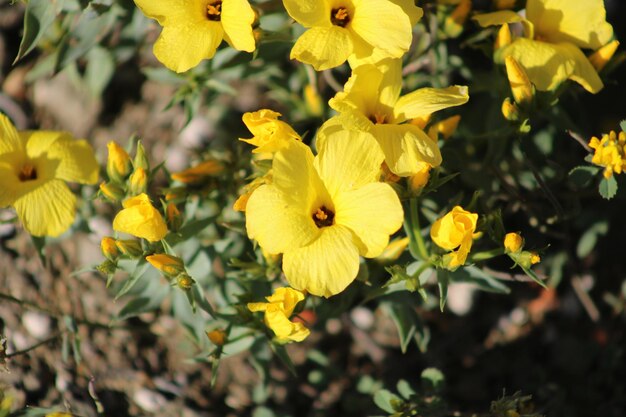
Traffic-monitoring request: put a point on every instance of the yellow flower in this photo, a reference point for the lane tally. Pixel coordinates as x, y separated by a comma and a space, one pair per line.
610, 153
521, 87
452, 231
270, 134
198, 173
371, 102
323, 212
140, 218
169, 265
277, 310
554, 33
513, 242
193, 29
356, 29
118, 163
34, 166
109, 249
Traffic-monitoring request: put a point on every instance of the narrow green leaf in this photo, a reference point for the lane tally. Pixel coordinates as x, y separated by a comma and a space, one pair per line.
100, 70
282, 354
38, 17
141, 269
405, 319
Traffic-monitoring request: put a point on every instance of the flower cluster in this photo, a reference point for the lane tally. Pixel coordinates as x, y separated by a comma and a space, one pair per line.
610, 152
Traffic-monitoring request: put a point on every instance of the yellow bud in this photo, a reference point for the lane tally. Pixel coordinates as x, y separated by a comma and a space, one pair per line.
118, 163
198, 173
420, 179
140, 218
112, 191
446, 127
129, 247
504, 37
170, 266
313, 101
174, 218
518, 79
184, 281
453, 25
510, 111
141, 160
603, 55
421, 121
109, 249
513, 242
393, 250
217, 337
534, 258
138, 182
242, 201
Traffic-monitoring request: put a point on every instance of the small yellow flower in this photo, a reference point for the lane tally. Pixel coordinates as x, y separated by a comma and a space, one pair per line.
371, 102
277, 310
521, 87
513, 242
199, 173
554, 33
217, 337
109, 249
455, 230
193, 29
603, 55
356, 29
170, 266
119, 164
140, 218
138, 182
34, 166
270, 134
323, 212
610, 153
534, 258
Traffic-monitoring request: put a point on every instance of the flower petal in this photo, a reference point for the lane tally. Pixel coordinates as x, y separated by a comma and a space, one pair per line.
323, 47
426, 101
582, 23
182, 47
383, 25
309, 13
46, 209
169, 12
9, 138
277, 224
327, 265
372, 212
405, 147
237, 19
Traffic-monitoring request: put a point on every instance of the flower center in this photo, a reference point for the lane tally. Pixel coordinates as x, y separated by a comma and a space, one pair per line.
28, 172
339, 17
214, 11
378, 119
323, 217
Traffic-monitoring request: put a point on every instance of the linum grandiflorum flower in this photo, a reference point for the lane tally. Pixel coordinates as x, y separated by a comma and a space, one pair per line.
554, 33
356, 29
34, 166
270, 134
140, 218
455, 230
277, 311
193, 29
371, 102
323, 212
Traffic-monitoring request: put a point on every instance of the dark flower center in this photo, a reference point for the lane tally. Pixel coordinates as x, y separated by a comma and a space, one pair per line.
323, 217
214, 11
378, 119
339, 17
28, 172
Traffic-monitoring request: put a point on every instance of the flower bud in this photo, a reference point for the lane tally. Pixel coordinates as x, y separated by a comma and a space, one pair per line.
418, 180
170, 266
107, 267
138, 182
503, 38
393, 250
140, 218
141, 160
198, 173
129, 247
313, 101
523, 90
109, 249
603, 55
112, 192
453, 25
174, 218
217, 337
446, 127
184, 281
118, 163
513, 242
510, 111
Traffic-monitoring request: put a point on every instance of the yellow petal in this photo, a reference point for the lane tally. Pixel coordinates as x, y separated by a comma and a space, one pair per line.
372, 212
139, 218
429, 100
323, 47
503, 17
603, 55
171, 12
383, 25
548, 65
76, 159
182, 47
288, 297
361, 91
9, 138
582, 23
326, 266
277, 224
237, 18
46, 209
405, 147
309, 13
347, 159
408, 6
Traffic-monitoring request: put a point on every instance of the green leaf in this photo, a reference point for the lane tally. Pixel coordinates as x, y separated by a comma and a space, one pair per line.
588, 240
38, 17
140, 269
282, 354
100, 70
405, 389
622, 125
433, 378
139, 305
405, 319
608, 187
582, 175
386, 400
40, 245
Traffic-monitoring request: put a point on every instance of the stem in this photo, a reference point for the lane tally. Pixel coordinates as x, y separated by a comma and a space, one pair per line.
35, 346
416, 230
482, 256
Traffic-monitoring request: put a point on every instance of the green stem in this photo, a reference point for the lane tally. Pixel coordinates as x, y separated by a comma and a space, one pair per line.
483, 256
416, 230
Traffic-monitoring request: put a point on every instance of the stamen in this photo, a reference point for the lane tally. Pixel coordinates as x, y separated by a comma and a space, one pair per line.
28, 172
339, 17
378, 119
214, 11
323, 217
